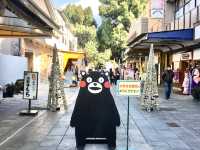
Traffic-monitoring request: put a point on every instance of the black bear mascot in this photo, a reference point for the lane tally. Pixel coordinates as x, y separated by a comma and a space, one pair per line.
95, 115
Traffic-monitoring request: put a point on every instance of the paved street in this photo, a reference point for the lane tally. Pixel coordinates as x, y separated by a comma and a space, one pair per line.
10, 121
44, 43
175, 127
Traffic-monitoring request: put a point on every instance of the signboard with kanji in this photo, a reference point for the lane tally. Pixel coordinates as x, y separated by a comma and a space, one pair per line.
30, 85
129, 87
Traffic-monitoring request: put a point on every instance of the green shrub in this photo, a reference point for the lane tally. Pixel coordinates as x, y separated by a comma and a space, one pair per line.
19, 86
8, 90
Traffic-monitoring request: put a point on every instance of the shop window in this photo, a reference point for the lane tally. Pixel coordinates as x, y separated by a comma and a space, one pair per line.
179, 13
179, 4
198, 2
189, 5
63, 40
186, 1
70, 45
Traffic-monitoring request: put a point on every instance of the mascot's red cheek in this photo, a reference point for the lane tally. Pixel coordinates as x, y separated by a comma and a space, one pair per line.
82, 84
107, 85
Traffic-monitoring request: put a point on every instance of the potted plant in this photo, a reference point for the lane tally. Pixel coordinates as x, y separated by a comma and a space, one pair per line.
8, 90
19, 86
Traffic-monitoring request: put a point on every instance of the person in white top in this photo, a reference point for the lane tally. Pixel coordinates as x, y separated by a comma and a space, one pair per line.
129, 73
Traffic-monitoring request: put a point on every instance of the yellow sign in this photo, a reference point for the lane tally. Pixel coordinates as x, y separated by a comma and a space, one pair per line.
129, 87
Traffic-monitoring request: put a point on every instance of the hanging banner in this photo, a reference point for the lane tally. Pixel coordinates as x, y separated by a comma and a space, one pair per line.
198, 2
157, 9
129, 87
30, 85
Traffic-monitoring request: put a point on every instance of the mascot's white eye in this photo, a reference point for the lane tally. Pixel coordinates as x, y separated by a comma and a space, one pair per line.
89, 80
101, 80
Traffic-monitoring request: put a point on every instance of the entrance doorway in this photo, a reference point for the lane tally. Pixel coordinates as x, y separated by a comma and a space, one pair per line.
184, 66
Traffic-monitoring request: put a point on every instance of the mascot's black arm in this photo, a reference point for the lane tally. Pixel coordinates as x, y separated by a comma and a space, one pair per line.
115, 111
76, 112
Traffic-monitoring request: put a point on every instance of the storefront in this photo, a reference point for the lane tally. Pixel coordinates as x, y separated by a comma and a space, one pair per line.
196, 52
39, 56
196, 56
17, 23
171, 47
181, 62
72, 57
30, 21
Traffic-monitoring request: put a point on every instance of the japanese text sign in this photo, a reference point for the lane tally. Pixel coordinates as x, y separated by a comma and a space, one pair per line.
129, 87
30, 85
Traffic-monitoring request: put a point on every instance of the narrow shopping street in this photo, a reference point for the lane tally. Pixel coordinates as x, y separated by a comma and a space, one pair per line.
174, 127
145, 50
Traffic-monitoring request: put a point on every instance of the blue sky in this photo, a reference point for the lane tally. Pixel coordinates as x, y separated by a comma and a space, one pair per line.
60, 3
94, 4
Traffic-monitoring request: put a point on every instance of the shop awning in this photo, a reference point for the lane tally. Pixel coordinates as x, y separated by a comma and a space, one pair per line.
178, 35
24, 19
74, 55
176, 40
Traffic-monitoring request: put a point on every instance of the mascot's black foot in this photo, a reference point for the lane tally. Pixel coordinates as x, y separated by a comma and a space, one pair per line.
80, 148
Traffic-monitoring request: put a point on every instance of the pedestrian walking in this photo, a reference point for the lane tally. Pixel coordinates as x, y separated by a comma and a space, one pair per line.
136, 73
77, 73
69, 74
196, 77
129, 73
117, 75
190, 81
186, 82
122, 72
167, 77
111, 75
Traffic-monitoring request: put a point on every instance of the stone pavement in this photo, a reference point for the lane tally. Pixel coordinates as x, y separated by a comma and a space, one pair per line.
175, 127
11, 122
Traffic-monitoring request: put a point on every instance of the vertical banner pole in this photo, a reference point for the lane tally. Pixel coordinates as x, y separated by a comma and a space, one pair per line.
128, 88
29, 105
127, 140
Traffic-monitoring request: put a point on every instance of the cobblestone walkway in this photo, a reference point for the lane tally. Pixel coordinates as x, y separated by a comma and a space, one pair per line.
175, 127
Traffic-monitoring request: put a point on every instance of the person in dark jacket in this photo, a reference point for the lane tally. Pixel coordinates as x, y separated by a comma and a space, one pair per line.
112, 76
167, 77
117, 75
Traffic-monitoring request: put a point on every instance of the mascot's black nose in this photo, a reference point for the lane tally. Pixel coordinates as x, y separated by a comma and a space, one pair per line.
95, 84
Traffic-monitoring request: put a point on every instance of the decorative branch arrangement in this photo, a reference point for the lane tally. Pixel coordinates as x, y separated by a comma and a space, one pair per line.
56, 96
149, 98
